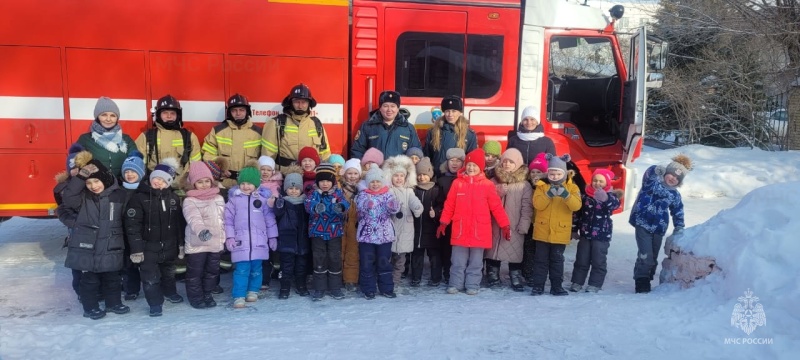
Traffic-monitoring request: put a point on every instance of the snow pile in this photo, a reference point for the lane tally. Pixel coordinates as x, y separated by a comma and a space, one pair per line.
755, 245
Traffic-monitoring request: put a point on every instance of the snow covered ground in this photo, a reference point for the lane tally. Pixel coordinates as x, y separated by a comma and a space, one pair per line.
755, 242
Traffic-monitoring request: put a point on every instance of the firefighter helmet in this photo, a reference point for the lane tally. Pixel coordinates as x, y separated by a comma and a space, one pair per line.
237, 100
299, 91
169, 102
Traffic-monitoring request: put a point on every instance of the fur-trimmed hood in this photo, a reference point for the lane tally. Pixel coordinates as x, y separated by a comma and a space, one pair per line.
400, 163
516, 176
62, 177
293, 168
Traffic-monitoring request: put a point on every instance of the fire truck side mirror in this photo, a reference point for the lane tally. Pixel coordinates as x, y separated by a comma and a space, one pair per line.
617, 11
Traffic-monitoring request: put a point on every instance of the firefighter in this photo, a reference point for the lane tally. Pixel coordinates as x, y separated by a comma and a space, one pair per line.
386, 129
287, 133
236, 139
168, 138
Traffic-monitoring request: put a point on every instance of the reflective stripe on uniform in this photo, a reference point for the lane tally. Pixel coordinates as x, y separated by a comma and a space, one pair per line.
252, 144
326, 151
270, 146
207, 147
291, 129
176, 142
196, 157
223, 140
312, 132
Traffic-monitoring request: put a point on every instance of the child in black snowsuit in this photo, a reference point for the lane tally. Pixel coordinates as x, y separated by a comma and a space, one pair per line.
155, 227
91, 207
132, 174
425, 226
293, 242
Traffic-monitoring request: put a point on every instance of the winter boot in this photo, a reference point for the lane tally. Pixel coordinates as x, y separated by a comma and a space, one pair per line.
575, 287
389, 294
642, 286
537, 290
218, 290
131, 296
94, 314
592, 289
317, 296
492, 275
369, 296
432, 283
155, 311
198, 304
452, 290
252, 296
516, 280
337, 294
350, 287
119, 309
239, 303
300, 288
415, 283
283, 294
174, 298
472, 291
209, 300
558, 291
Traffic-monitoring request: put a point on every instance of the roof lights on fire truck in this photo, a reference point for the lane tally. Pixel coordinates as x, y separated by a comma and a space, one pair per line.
616, 12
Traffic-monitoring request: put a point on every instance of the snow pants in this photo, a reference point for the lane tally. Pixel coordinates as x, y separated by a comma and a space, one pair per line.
327, 256
649, 245
375, 261
105, 283
350, 256
293, 268
158, 280
465, 271
549, 259
246, 277
418, 262
590, 256
202, 275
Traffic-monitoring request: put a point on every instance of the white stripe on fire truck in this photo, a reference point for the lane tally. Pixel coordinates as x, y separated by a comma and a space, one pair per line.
129, 109
28, 107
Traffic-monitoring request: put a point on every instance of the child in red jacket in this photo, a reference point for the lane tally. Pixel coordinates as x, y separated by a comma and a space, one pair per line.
471, 199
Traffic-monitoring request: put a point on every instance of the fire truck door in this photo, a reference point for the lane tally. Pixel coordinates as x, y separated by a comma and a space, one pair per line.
634, 98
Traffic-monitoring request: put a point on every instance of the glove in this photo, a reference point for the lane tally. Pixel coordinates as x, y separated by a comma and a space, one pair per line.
319, 208
507, 233
273, 243
204, 235
338, 208
678, 231
432, 213
87, 171
563, 193
181, 252
137, 258
552, 192
522, 231
229, 244
600, 195
279, 203
440, 230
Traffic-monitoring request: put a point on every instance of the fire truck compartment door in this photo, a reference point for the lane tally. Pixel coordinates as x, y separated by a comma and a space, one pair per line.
635, 97
31, 99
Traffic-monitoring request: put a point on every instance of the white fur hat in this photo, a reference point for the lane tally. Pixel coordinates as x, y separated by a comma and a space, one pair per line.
400, 164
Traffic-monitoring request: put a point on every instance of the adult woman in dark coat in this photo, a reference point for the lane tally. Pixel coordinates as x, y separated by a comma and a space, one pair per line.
449, 131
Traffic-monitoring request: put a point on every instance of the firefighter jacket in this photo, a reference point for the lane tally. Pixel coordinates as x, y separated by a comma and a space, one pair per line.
298, 132
168, 144
236, 143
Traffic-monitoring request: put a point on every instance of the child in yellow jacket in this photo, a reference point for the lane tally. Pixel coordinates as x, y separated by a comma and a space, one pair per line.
555, 199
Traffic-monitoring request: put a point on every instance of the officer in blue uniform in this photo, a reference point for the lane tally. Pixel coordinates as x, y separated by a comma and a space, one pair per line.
386, 129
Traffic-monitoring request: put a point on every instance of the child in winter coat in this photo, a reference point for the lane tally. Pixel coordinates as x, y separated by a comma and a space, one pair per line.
351, 175
155, 228
62, 180
91, 207
425, 225
133, 171
204, 210
449, 171
371, 156
493, 150
470, 205
338, 163
658, 198
327, 207
273, 181
376, 205
596, 227
251, 231
293, 243
515, 193
400, 172
308, 158
537, 171
555, 199
415, 154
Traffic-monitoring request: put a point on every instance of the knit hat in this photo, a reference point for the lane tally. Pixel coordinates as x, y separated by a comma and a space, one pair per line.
389, 96
134, 162
325, 171
453, 153
165, 170
514, 156
539, 163
293, 180
606, 174
424, 166
266, 161
352, 164
105, 104
74, 149
336, 159
680, 165
374, 174
477, 156
558, 163
531, 111
493, 147
415, 151
198, 170
372, 155
308, 153
84, 158
215, 167
249, 175
452, 102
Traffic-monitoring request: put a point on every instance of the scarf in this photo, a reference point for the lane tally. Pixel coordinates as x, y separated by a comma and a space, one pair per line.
130, 186
530, 136
296, 200
309, 175
206, 194
382, 190
110, 139
426, 186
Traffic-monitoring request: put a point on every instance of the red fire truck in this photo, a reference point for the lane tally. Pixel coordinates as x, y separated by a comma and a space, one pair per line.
58, 57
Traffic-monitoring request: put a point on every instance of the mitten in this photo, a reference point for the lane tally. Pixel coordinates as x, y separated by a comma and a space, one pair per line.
552, 192
522, 231
338, 208
229, 242
137, 258
319, 208
600, 195
507, 233
87, 171
563, 193
440, 230
204, 235
273, 243
279, 203
181, 252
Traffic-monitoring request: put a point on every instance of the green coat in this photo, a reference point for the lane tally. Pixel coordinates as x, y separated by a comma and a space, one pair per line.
113, 161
